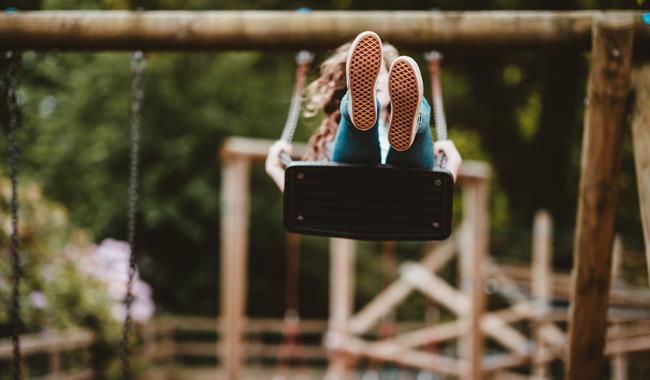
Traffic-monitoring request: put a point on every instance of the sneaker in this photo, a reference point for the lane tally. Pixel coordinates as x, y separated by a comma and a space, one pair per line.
362, 68
405, 90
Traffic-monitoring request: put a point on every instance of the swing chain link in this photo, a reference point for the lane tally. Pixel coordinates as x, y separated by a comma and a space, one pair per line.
13, 60
434, 58
138, 64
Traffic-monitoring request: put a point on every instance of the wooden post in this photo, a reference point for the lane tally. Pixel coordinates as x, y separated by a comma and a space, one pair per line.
619, 360
341, 301
293, 272
641, 140
473, 250
234, 252
617, 259
541, 281
55, 362
613, 37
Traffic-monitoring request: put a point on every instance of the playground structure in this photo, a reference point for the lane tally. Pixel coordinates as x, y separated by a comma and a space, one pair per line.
613, 36
529, 292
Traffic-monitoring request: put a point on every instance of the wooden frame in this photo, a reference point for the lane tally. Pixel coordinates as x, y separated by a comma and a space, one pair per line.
345, 328
227, 30
613, 35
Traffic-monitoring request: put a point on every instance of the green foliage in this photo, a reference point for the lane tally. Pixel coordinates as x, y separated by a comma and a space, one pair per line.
55, 293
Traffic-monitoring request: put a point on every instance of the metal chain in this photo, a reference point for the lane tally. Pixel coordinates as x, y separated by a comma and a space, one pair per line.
435, 58
138, 64
12, 108
303, 59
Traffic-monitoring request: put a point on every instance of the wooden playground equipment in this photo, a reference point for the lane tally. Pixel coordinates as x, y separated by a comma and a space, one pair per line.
594, 330
529, 293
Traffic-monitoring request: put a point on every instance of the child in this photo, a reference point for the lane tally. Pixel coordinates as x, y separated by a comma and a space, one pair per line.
375, 112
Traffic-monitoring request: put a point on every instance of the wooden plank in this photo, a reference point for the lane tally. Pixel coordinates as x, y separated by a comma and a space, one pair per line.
617, 260
619, 360
618, 366
602, 148
635, 344
541, 272
506, 286
341, 302
473, 252
518, 279
397, 291
55, 362
234, 250
641, 141
270, 351
457, 302
628, 330
394, 353
431, 334
84, 374
236, 30
452, 330
41, 343
493, 363
256, 150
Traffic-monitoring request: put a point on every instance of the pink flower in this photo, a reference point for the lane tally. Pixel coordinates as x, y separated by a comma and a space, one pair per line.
38, 300
109, 263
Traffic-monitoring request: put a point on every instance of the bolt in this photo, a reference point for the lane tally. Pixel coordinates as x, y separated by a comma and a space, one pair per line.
438, 182
300, 218
300, 176
436, 225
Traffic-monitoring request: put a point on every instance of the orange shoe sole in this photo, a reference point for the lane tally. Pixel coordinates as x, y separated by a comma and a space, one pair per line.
405, 90
363, 68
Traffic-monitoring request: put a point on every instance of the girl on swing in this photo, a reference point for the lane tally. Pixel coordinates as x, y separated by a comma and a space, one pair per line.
375, 112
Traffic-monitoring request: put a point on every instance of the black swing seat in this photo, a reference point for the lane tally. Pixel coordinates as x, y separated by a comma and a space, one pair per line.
367, 202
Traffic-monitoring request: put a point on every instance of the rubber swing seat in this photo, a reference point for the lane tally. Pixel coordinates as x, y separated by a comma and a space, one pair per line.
367, 202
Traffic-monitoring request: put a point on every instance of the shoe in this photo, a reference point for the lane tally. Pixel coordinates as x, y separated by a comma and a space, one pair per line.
362, 68
405, 90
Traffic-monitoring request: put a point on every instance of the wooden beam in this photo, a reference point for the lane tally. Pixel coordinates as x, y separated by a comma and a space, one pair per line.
602, 148
397, 291
473, 255
341, 303
33, 344
256, 150
641, 140
234, 252
515, 281
635, 344
619, 360
394, 353
230, 30
445, 295
452, 330
541, 273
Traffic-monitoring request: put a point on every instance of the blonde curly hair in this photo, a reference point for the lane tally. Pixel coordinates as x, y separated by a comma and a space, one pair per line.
325, 94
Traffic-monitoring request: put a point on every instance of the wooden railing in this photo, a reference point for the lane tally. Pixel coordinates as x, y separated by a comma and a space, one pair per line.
54, 345
162, 344
263, 338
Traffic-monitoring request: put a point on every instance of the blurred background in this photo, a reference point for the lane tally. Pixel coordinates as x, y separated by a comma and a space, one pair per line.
520, 111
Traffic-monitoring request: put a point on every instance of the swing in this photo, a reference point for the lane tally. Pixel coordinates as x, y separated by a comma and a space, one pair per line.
360, 202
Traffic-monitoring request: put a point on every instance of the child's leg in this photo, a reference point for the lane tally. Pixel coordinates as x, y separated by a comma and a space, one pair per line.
352, 145
420, 154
